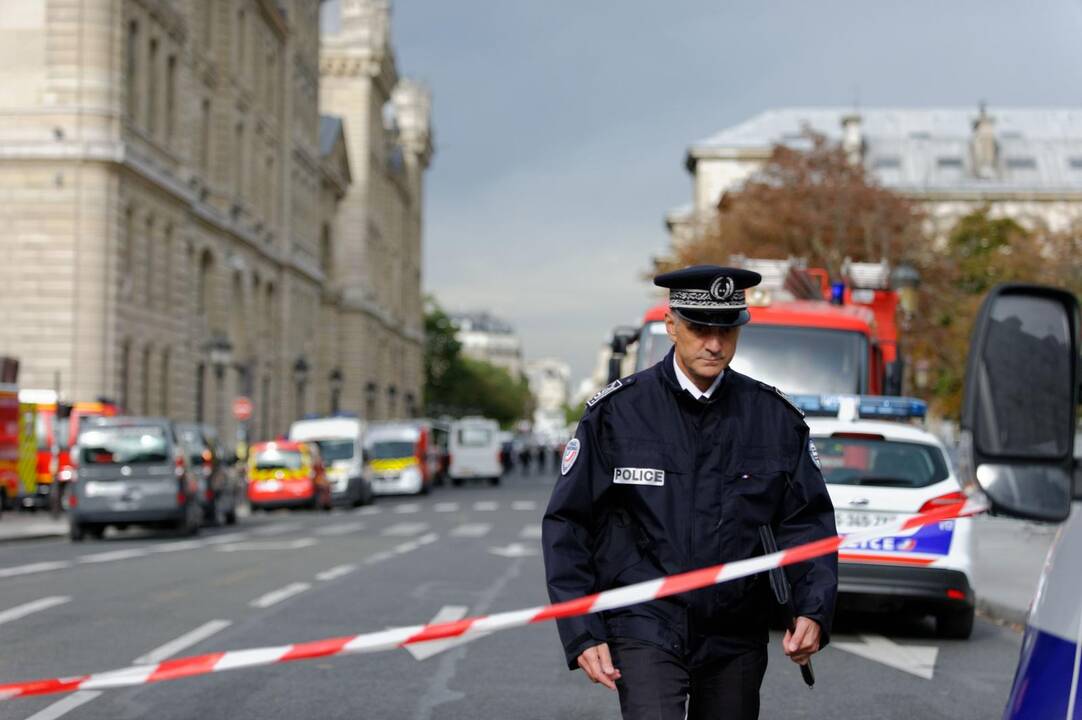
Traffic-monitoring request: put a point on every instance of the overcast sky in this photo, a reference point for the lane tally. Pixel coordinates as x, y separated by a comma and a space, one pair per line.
561, 125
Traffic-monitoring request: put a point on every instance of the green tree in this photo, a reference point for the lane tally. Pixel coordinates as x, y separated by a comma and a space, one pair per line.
456, 385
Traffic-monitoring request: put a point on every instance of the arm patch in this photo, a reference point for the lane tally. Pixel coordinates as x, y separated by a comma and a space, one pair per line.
609, 390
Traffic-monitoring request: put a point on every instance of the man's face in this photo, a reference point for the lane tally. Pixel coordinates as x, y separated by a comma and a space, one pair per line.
703, 351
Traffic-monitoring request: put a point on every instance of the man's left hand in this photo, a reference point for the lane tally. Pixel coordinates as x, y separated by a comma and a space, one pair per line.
802, 643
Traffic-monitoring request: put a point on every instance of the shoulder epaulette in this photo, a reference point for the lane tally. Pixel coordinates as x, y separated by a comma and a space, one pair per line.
788, 400
609, 390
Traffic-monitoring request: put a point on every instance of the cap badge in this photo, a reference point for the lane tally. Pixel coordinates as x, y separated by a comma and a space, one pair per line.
722, 288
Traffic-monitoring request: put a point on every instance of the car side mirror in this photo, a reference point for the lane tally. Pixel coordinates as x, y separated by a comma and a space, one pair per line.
1020, 401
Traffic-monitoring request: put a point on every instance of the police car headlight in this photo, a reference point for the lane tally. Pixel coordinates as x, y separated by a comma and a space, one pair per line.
410, 475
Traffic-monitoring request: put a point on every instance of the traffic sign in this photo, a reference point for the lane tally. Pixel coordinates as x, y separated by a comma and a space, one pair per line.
242, 408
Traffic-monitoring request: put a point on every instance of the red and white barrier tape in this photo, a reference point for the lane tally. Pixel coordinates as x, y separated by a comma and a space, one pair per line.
400, 637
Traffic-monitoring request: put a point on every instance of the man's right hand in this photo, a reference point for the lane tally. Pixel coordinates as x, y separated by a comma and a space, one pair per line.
597, 664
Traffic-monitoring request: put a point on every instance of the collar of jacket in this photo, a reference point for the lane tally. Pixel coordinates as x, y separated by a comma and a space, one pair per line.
668, 378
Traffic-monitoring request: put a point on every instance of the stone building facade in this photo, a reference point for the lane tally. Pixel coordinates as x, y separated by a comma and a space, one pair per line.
1023, 163
177, 213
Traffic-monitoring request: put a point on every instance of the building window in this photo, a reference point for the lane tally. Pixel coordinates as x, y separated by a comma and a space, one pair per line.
326, 253
264, 409
238, 148
145, 382
204, 283
392, 398
124, 377
1022, 163
200, 393
148, 280
370, 401
132, 64
204, 138
152, 87
167, 281
127, 250
170, 96
241, 34
166, 381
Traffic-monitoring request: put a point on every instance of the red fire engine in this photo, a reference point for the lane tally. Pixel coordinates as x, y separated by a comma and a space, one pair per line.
806, 336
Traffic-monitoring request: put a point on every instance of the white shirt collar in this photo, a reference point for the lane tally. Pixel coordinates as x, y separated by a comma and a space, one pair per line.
690, 386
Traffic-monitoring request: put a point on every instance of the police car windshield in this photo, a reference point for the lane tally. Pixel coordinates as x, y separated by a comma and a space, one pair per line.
798, 360
390, 449
278, 460
335, 449
880, 463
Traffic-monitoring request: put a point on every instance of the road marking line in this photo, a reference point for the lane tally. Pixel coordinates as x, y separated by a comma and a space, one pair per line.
113, 555
269, 545
486, 506
63, 707
407, 508
471, 530
370, 510
444, 507
523, 505
448, 613
378, 557
34, 568
407, 547
177, 546
335, 572
531, 532
428, 539
227, 538
277, 596
21, 611
277, 530
405, 529
183, 642
341, 529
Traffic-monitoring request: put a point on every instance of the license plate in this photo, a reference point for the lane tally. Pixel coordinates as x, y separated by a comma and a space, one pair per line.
270, 485
102, 489
850, 520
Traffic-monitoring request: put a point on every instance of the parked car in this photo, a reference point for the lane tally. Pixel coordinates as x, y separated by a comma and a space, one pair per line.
219, 489
132, 471
287, 474
475, 450
341, 444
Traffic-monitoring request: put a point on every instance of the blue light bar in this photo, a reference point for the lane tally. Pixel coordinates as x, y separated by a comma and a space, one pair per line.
880, 407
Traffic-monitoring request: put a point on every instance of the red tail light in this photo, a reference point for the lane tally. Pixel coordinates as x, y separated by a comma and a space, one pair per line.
178, 466
207, 457
954, 594
938, 503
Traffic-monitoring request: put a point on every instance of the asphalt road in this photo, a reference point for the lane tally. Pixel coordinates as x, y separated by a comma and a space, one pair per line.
288, 577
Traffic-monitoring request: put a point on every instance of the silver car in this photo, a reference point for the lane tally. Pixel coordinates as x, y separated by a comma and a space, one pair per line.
132, 471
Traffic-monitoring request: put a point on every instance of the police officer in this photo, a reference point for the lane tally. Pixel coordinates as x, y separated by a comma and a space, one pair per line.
673, 469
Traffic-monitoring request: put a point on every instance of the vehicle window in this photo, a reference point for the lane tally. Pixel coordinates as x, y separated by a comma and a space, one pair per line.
194, 444
123, 446
332, 450
276, 459
41, 430
474, 437
388, 449
653, 345
880, 463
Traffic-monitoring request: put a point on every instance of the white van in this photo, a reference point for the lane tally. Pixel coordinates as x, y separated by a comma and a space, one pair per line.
340, 441
474, 446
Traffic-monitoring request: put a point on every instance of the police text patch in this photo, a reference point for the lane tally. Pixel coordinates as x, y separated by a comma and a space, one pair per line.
814, 454
638, 476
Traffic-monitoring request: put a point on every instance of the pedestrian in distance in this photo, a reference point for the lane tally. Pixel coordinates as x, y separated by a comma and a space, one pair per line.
541, 457
524, 457
677, 468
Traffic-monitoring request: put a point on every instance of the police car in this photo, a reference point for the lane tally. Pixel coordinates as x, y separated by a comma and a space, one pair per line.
880, 471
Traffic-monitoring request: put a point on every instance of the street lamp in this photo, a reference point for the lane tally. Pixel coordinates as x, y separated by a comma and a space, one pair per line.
221, 357
300, 378
906, 280
335, 382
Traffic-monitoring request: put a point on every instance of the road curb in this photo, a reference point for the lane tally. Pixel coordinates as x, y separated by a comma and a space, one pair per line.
29, 533
1002, 612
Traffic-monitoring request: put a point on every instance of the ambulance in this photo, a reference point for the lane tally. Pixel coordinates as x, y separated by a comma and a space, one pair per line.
1019, 449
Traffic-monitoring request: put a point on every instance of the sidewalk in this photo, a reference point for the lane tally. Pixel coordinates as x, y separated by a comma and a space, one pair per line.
31, 526
1009, 557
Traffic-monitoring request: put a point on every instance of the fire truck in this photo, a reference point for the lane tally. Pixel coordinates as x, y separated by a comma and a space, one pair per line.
9, 445
807, 336
54, 424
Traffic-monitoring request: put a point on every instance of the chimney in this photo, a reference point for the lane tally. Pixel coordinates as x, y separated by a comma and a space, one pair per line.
983, 147
852, 139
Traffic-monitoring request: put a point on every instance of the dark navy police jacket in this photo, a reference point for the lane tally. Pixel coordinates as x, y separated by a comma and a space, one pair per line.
662, 484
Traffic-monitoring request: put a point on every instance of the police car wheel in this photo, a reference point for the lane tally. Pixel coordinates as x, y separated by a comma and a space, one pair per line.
494, 480
955, 624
